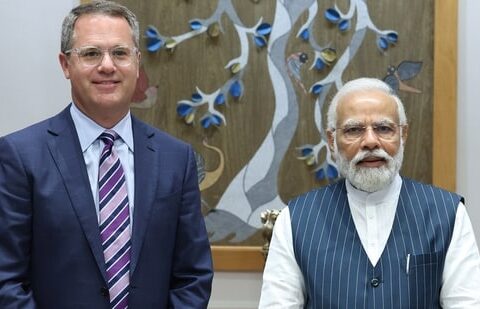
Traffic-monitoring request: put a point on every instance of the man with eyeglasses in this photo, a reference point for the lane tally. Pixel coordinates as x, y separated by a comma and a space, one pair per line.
98, 209
374, 239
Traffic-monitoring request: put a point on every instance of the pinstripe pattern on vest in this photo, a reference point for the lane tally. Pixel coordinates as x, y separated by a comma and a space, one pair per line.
336, 268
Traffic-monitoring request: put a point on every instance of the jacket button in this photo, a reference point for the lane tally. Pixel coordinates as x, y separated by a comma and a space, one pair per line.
375, 282
104, 291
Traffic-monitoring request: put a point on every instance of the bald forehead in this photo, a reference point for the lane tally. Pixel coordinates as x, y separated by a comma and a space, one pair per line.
367, 106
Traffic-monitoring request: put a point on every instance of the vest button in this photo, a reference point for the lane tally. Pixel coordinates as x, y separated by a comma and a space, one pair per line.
104, 292
375, 282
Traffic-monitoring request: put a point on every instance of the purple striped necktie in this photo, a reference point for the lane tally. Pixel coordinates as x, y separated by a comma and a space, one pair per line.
114, 221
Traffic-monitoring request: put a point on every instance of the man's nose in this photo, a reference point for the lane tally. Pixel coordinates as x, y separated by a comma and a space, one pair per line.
370, 140
107, 63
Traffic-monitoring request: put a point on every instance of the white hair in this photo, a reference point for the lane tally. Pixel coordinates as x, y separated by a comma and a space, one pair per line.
361, 85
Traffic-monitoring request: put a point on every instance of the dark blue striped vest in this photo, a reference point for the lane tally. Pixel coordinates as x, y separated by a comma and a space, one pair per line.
337, 271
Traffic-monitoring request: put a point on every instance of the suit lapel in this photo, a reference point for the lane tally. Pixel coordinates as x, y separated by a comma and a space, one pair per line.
145, 183
67, 154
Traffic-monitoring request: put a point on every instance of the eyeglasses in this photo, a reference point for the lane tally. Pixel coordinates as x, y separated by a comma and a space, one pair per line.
91, 56
385, 131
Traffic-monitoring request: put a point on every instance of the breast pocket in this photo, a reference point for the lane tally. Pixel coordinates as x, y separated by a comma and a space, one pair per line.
424, 279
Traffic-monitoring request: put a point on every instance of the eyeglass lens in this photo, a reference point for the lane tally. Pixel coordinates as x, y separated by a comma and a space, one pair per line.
385, 131
92, 56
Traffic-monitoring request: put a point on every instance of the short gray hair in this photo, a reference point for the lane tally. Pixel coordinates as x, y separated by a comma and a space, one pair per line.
107, 8
359, 85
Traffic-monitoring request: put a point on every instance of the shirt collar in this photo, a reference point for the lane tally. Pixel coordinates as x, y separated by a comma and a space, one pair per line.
90, 130
378, 197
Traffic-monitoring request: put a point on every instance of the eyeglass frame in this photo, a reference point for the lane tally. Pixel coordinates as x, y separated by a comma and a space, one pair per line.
373, 126
133, 50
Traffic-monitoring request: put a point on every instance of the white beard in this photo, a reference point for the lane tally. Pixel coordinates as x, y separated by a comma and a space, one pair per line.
369, 179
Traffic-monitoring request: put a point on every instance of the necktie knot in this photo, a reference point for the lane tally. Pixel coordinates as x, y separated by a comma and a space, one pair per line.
108, 137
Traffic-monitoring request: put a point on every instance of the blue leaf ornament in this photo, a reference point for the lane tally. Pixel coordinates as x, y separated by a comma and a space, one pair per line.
332, 15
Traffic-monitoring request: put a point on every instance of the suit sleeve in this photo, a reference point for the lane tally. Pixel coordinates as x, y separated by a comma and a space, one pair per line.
192, 272
15, 230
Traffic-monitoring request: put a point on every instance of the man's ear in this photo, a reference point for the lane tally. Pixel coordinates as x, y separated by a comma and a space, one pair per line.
62, 58
139, 58
404, 133
331, 141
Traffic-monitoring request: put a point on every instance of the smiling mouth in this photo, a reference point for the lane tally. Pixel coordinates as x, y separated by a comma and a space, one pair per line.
108, 86
106, 82
372, 161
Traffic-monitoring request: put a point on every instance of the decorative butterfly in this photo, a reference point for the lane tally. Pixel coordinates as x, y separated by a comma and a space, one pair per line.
404, 71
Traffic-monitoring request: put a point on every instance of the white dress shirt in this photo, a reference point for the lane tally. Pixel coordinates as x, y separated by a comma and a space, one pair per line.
88, 132
373, 215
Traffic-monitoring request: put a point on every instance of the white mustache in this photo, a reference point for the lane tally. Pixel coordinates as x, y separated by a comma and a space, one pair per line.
379, 153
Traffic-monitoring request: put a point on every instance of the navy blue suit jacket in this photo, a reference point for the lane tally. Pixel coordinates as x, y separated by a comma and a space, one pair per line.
50, 251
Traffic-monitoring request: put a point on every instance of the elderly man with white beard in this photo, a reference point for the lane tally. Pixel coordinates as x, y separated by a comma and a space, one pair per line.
374, 239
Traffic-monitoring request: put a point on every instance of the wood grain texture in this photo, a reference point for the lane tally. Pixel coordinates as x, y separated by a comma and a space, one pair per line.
445, 95
235, 258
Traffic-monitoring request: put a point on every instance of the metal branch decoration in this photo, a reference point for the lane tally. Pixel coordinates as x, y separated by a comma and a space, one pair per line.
234, 86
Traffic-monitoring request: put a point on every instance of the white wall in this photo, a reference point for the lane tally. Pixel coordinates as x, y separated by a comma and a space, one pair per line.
33, 88
468, 140
31, 81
